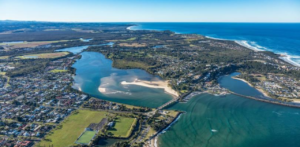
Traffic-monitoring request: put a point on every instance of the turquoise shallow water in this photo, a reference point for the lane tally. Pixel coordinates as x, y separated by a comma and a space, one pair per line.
232, 121
208, 121
94, 70
238, 86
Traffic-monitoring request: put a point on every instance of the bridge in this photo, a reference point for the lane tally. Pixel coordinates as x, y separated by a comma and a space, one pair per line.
173, 100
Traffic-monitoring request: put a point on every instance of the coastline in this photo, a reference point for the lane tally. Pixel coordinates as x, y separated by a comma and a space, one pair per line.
152, 142
295, 103
284, 57
260, 90
244, 43
153, 84
287, 58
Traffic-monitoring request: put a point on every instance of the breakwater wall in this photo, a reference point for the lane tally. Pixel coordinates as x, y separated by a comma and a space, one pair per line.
275, 101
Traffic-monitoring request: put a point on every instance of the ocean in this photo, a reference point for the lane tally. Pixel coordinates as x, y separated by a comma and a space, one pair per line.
280, 38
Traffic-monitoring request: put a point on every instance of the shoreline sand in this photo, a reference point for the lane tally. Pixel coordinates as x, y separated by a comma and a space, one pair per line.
153, 141
153, 84
259, 89
244, 43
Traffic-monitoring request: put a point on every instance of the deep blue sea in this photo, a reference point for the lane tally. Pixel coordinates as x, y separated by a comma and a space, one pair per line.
281, 38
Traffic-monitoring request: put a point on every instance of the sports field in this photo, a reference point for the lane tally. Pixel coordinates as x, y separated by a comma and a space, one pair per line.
58, 71
86, 137
25, 44
44, 55
71, 128
4, 57
123, 127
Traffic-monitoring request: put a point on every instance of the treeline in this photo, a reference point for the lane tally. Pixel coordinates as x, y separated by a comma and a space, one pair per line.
249, 78
23, 67
253, 67
156, 124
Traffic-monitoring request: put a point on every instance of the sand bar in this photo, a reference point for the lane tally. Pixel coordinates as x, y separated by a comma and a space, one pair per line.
153, 84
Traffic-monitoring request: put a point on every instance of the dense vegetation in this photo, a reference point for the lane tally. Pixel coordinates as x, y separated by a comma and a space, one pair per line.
261, 68
27, 66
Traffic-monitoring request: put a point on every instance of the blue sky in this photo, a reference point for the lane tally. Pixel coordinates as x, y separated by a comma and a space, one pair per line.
152, 10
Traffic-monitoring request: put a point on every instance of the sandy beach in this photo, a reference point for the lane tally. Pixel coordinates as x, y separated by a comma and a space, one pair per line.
263, 92
153, 84
102, 90
152, 142
260, 90
288, 59
245, 44
296, 100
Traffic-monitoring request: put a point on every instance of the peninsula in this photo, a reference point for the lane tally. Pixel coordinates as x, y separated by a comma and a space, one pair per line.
39, 97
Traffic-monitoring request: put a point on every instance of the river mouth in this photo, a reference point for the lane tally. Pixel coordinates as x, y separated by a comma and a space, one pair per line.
209, 120
232, 121
212, 121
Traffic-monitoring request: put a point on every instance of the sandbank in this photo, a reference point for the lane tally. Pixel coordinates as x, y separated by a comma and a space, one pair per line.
153, 84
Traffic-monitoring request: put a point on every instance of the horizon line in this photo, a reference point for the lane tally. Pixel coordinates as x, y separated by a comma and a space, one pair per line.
143, 21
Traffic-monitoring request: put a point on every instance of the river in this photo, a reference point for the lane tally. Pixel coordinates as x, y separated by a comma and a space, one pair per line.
208, 121
93, 70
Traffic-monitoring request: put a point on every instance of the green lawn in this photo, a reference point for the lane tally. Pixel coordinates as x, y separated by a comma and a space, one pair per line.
4, 57
123, 127
86, 137
43, 55
72, 127
173, 113
58, 70
119, 63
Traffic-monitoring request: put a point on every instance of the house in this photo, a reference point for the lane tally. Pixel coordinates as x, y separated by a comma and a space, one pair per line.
111, 124
98, 126
23, 144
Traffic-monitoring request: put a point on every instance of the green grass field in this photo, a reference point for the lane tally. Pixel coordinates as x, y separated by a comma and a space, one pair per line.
129, 64
4, 57
44, 55
86, 137
26, 44
123, 127
57, 71
71, 129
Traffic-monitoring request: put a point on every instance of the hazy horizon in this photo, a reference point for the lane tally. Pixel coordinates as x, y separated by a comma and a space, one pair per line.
258, 11
134, 22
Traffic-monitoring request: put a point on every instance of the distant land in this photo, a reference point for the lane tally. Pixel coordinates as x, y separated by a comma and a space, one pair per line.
106, 84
